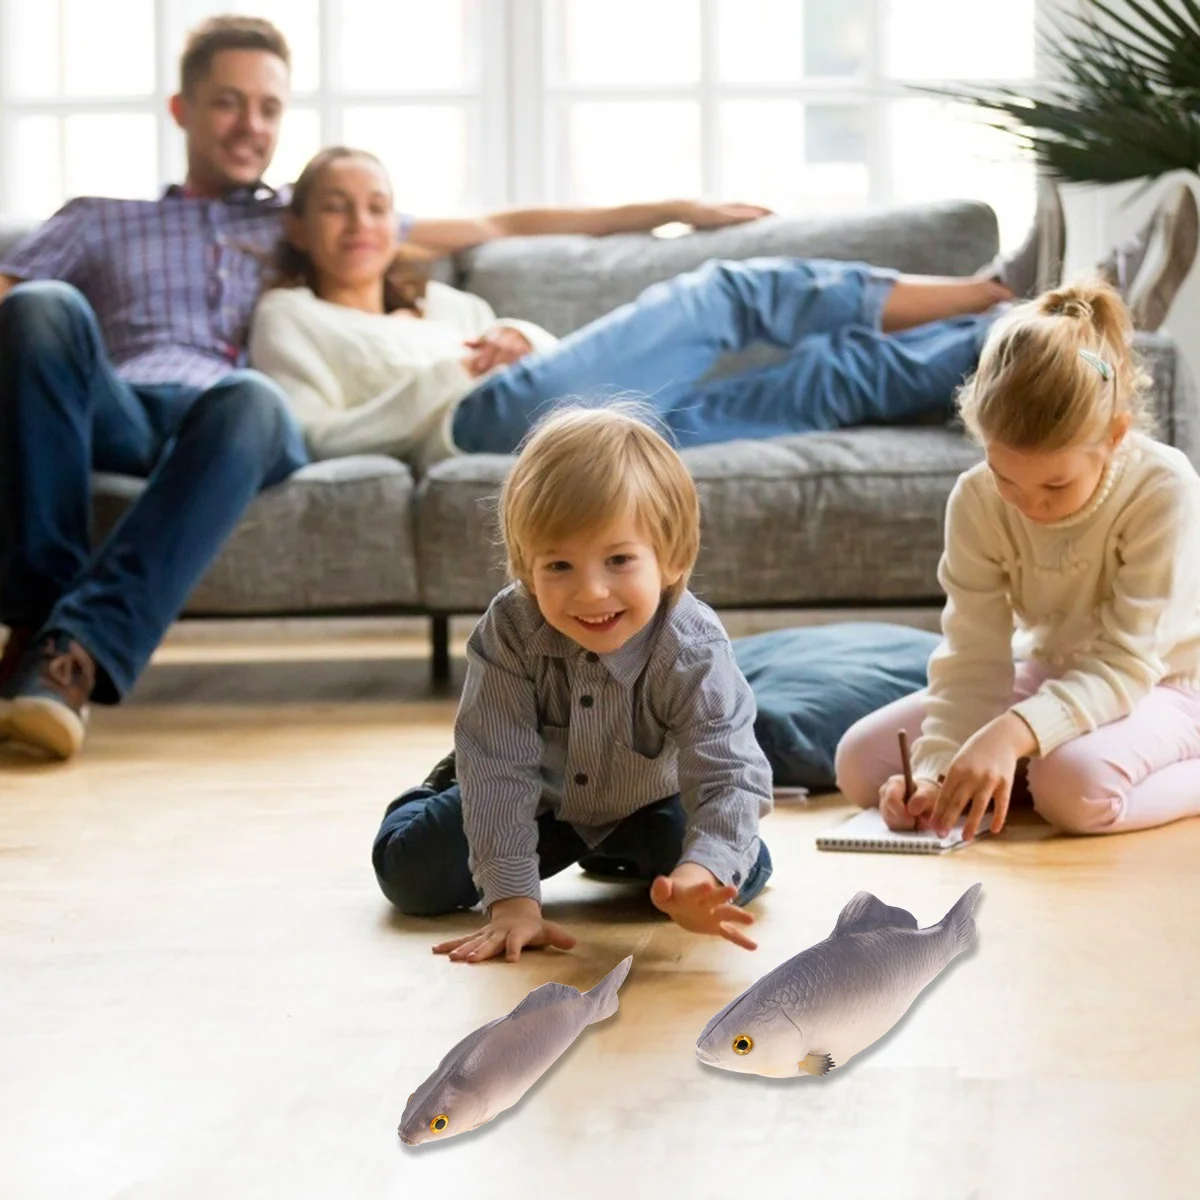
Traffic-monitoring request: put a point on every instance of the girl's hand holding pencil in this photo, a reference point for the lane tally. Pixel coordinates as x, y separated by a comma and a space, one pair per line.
900, 799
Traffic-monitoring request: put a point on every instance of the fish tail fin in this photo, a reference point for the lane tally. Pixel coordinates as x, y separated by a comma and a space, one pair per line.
960, 922
604, 994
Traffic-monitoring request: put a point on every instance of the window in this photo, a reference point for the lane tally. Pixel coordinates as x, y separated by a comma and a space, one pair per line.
71, 123
799, 104
476, 104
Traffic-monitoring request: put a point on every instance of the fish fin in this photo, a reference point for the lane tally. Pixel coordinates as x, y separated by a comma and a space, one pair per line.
866, 912
604, 994
960, 921
543, 997
816, 1064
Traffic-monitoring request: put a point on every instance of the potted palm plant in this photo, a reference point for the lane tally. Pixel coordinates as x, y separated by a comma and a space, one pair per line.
1125, 100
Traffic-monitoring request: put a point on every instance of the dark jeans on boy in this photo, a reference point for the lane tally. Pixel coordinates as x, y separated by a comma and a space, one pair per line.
420, 853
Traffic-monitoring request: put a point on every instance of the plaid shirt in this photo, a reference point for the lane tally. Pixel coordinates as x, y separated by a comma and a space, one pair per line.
173, 281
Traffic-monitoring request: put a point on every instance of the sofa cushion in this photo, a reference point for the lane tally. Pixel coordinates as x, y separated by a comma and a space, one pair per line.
812, 684
565, 281
819, 518
336, 537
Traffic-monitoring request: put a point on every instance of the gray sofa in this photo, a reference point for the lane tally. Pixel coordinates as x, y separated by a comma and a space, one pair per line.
815, 520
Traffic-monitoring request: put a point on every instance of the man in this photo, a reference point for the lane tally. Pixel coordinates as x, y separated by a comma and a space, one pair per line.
122, 340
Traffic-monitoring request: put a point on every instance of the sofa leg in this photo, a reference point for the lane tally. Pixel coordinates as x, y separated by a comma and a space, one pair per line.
439, 633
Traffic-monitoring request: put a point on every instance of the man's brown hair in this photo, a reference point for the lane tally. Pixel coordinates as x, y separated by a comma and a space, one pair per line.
206, 41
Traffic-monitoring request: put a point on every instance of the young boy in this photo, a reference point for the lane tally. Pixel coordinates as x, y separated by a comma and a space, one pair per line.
603, 719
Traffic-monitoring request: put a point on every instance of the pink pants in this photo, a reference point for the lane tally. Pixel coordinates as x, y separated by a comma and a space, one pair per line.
1140, 771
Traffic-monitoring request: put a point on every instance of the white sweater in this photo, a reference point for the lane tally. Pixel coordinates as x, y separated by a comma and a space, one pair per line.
1108, 600
362, 383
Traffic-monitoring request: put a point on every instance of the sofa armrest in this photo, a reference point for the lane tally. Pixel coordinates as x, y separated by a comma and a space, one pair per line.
1174, 401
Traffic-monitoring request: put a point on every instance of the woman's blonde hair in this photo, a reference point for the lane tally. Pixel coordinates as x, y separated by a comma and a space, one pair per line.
583, 467
1056, 372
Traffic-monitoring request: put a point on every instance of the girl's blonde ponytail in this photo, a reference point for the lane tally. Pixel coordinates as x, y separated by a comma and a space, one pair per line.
1056, 371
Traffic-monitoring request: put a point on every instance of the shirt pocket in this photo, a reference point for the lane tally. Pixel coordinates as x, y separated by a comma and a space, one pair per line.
646, 777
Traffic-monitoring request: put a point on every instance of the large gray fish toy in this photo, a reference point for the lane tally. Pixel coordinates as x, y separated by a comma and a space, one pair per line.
492, 1068
820, 1008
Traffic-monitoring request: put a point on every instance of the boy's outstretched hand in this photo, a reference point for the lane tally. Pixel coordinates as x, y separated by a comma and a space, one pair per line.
692, 897
515, 923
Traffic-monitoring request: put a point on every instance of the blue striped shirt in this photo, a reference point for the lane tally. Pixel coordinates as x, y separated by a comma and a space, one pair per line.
172, 282
546, 726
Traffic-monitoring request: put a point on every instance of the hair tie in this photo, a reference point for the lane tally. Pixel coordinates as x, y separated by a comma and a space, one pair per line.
1071, 307
1105, 370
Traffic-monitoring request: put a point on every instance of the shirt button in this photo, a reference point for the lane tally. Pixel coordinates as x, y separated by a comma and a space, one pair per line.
581, 779
737, 877
586, 701
592, 657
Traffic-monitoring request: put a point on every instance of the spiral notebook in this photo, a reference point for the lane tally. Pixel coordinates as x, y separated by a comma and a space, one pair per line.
867, 831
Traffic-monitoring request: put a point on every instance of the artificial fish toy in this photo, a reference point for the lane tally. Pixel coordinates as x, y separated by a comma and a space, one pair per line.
820, 1008
492, 1068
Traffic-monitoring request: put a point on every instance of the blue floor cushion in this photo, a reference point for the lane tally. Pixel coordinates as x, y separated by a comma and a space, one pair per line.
812, 684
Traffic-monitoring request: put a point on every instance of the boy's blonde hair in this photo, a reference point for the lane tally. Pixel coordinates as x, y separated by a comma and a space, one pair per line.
584, 467
1056, 371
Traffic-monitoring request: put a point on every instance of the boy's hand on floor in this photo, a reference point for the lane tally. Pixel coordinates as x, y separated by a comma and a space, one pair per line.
693, 898
515, 924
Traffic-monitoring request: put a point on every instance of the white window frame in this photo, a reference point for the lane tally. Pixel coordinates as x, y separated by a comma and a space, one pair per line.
545, 104
516, 129
487, 106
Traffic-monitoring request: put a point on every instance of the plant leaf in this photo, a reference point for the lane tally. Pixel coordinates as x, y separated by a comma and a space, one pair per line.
1125, 102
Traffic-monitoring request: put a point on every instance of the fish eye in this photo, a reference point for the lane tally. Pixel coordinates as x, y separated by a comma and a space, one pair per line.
743, 1044
440, 1123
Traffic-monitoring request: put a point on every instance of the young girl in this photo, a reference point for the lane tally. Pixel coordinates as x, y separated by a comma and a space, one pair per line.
1084, 533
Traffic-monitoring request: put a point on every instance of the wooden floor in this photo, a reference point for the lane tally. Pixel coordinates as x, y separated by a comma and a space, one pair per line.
203, 995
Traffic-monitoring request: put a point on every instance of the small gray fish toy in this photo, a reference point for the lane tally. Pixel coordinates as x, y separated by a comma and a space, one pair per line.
492, 1068
820, 1008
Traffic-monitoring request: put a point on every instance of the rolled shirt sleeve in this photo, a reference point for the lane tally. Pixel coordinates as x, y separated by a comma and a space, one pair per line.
57, 249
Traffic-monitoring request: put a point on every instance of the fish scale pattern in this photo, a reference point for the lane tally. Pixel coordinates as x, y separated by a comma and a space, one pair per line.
852, 970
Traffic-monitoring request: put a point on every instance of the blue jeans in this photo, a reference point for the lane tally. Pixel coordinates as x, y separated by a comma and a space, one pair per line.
420, 852
840, 369
206, 452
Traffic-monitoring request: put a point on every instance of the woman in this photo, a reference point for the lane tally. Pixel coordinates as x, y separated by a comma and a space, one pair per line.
376, 359
371, 354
